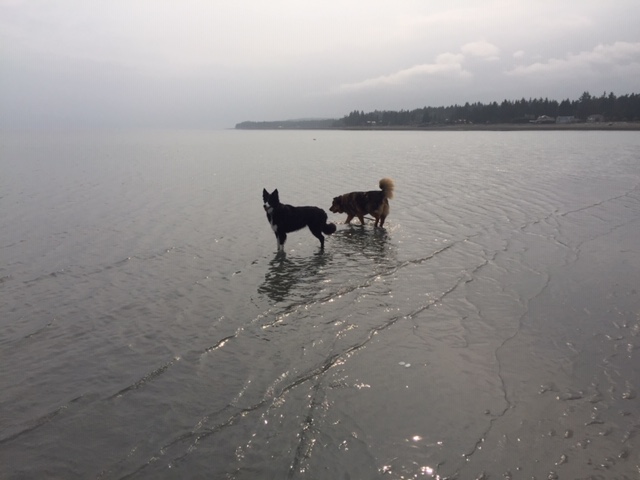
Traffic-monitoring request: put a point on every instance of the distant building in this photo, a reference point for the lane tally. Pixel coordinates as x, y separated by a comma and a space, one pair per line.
595, 118
544, 119
566, 119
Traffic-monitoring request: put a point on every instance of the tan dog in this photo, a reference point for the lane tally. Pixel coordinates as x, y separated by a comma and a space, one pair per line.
358, 204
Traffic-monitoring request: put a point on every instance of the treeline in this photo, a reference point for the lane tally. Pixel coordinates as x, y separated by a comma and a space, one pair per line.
607, 107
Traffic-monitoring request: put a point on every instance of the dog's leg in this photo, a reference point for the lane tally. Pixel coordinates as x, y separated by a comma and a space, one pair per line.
349, 218
377, 218
384, 212
361, 218
282, 237
317, 232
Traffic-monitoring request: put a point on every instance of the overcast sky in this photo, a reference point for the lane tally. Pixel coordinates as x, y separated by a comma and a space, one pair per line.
214, 63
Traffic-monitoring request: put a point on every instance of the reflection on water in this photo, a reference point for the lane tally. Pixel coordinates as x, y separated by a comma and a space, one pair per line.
300, 278
360, 249
358, 240
302, 274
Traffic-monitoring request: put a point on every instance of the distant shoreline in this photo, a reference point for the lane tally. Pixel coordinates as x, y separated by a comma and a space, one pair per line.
598, 126
510, 127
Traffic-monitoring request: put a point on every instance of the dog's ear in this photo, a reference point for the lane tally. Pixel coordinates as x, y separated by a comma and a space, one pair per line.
275, 196
265, 195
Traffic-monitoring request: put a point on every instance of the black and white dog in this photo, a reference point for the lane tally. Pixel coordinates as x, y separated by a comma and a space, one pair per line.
286, 218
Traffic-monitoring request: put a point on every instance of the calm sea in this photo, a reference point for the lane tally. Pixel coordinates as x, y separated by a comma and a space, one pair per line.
149, 329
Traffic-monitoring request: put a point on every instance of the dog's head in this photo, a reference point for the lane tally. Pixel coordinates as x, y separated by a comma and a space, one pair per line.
336, 206
271, 200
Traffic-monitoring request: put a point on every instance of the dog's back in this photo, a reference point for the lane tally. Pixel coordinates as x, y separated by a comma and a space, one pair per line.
359, 204
292, 218
287, 218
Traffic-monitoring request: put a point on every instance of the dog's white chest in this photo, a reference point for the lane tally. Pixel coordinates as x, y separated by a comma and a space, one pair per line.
269, 209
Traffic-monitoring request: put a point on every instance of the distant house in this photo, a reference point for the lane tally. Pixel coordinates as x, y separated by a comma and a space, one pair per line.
544, 119
566, 119
595, 118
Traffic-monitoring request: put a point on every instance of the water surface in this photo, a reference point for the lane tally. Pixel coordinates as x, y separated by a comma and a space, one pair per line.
151, 330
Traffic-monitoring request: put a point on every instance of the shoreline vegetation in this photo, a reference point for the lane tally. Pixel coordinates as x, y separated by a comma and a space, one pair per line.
607, 112
612, 126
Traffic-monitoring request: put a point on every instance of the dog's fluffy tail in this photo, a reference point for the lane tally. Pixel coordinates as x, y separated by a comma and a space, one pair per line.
329, 228
386, 185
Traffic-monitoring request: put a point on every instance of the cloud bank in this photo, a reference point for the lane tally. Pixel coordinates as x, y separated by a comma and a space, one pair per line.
213, 64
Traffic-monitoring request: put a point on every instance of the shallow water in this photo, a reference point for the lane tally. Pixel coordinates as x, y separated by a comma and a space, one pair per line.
150, 329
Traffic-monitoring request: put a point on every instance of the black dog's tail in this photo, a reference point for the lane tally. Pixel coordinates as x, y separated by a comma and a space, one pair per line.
329, 228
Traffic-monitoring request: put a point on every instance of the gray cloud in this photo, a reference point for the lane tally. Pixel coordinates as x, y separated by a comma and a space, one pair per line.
212, 64
445, 66
620, 58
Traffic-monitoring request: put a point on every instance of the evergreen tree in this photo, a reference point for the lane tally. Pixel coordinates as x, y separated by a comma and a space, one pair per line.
624, 108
